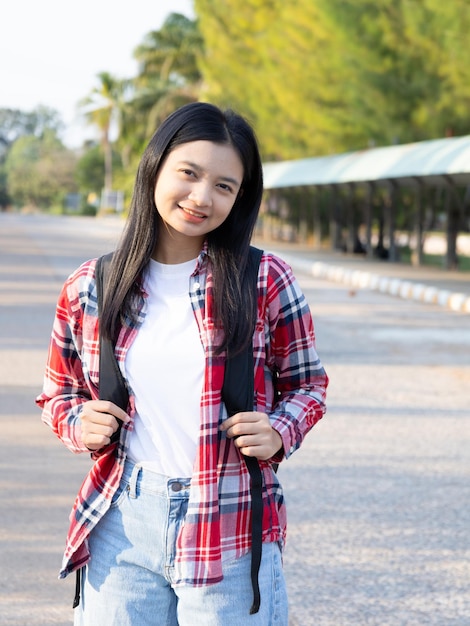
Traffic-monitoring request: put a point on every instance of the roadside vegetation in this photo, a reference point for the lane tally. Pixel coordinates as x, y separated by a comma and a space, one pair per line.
315, 77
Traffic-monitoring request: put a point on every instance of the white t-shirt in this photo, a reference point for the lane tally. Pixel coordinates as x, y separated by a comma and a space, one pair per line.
165, 368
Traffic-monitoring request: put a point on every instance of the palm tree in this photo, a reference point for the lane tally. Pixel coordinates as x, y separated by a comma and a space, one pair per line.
102, 108
168, 71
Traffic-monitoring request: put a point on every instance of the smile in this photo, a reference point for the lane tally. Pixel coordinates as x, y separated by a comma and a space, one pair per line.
193, 213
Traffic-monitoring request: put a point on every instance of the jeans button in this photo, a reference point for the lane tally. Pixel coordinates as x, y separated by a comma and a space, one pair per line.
176, 486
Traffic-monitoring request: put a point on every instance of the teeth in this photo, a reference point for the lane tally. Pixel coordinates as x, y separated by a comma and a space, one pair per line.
192, 212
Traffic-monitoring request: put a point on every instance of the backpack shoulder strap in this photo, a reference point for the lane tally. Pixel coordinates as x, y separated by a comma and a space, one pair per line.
238, 388
111, 382
238, 395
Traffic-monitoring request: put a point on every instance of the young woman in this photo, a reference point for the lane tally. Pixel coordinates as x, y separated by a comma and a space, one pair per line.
161, 527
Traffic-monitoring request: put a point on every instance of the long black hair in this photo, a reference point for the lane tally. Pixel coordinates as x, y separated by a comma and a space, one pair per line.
228, 245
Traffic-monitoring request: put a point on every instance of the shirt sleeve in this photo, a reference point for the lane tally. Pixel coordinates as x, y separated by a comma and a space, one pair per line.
66, 387
300, 379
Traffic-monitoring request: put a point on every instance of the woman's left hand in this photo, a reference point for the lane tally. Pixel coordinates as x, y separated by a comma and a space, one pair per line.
253, 434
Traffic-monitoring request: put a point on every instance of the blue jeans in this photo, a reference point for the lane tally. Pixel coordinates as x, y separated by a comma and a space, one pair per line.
128, 581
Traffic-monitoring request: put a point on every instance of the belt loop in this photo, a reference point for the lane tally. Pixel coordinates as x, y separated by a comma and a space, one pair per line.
133, 480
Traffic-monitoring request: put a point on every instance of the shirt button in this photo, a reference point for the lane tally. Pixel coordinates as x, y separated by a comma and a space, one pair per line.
196, 286
176, 486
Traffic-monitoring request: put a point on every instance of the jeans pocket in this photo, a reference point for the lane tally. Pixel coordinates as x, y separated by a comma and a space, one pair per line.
120, 494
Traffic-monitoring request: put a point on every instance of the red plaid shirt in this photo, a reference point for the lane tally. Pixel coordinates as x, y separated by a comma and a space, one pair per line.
218, 522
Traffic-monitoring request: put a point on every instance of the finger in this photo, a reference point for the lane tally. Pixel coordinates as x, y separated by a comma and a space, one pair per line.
237, 430
241, 418
258, 452
260, 428
99, 423
103, 412
263, 446
105, 406
96, 435
102, 430
96, 442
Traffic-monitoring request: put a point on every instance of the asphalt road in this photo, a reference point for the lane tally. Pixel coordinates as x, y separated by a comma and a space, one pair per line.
378, 496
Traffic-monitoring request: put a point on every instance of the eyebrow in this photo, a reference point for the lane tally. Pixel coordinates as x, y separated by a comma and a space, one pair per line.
226, 179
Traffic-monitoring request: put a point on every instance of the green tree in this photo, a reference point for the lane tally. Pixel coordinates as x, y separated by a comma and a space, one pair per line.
5, 199
328, 76
277, 63
89, 172
447, 48
103, 108
168, 75
40, 171
15, 123
410, 63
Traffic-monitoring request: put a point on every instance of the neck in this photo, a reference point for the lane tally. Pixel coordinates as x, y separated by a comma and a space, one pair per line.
173, 251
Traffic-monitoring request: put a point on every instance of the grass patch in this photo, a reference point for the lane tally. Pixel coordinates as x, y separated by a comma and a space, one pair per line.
435, 260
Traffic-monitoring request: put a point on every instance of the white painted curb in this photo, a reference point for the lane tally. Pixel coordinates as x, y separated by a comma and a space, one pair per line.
406, 289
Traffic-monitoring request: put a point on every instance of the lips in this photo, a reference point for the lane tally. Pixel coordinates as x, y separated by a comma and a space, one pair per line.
192, 212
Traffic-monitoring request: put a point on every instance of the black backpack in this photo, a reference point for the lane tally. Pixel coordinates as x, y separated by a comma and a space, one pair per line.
237, 394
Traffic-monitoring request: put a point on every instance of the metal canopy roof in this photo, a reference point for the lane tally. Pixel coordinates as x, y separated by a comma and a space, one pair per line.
432, 162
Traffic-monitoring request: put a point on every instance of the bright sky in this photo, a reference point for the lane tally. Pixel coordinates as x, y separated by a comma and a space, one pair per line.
52, 50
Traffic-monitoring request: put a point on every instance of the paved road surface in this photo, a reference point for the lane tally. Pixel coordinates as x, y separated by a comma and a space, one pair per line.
378, 496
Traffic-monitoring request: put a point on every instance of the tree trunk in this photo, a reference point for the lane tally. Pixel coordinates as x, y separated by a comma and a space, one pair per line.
451, 261
108, 163
417, 255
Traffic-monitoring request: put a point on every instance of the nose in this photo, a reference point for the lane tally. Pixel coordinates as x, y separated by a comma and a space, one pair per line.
201, 194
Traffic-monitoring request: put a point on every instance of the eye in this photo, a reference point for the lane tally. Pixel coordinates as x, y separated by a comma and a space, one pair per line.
187, 172
225, 187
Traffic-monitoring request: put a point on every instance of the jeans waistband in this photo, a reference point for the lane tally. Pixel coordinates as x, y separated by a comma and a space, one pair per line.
141, 478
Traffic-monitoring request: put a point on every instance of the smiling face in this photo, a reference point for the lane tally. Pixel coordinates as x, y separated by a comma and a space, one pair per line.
195, 191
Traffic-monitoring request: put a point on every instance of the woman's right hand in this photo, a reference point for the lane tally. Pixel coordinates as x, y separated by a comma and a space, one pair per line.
99, 423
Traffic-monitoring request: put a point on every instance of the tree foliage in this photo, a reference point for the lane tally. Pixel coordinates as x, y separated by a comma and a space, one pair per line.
168, 77
104, 106
411, 65
15, 124
40, 170
325, 76
313, 76
280, 65
89, 172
